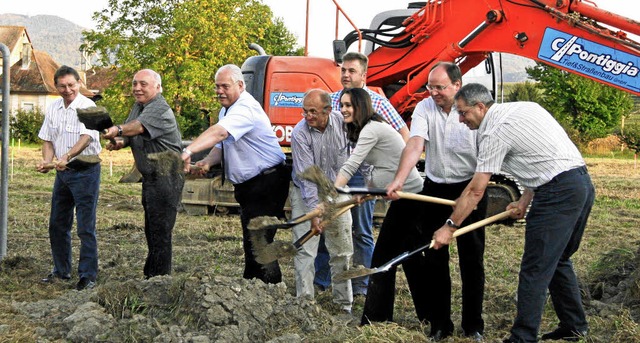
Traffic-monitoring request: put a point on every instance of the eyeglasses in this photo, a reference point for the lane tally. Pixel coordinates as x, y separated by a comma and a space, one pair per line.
311, 113
63, 86
438, 88
464, 113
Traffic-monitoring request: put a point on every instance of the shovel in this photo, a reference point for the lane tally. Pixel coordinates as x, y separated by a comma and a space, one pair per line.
358, 272
266, 222
80, 162
278, 249
96, 118
402, 195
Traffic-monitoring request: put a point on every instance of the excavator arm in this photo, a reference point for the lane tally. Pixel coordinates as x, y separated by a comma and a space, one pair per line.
567, 34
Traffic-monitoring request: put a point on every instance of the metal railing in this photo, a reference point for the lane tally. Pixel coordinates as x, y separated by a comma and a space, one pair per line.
4, 177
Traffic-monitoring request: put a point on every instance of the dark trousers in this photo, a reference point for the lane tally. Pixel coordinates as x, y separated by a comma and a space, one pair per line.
470, 256
75, 190
160, 199
428, 274
400, 232
263, 195
555, 225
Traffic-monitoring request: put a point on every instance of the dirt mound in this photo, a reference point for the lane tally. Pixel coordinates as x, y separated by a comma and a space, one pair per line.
615, 283
167, 309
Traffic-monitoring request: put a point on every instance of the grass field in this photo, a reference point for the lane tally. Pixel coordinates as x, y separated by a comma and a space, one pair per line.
211, 245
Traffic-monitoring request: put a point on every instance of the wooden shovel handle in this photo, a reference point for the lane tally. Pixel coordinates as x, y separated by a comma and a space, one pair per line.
483, 222
309, 215
317, 212
479, 224
425, 198
312, 232
49, 165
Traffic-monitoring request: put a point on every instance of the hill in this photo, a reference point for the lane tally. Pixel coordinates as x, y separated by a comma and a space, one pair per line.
57, 36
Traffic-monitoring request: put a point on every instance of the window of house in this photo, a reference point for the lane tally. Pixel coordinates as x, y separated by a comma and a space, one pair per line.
28, 106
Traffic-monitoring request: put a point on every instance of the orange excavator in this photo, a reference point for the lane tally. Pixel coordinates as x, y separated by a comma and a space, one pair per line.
403, 45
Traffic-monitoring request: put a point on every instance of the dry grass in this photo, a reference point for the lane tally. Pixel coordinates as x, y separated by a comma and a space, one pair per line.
211, 245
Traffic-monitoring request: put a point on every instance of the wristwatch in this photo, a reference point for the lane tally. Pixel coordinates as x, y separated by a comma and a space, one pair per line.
450, 222
119, 130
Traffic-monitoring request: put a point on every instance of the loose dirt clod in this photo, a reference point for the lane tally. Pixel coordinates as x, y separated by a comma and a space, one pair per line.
95, 117
167, 162
275, 251
258, 223
325, 186
353, 272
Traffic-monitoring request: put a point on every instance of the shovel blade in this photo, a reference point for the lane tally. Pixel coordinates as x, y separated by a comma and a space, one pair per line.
82, 162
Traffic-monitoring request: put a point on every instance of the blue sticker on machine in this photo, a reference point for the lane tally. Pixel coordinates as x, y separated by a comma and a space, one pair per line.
282, 99
590, 58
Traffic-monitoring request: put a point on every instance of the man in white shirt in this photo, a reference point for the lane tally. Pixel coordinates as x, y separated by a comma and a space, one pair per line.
253, 162
65, 137
450, 162
524, 140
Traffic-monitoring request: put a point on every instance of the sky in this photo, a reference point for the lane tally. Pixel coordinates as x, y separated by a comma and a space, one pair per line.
293, 12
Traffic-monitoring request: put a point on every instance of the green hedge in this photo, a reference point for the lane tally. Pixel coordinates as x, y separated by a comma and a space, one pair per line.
25, 125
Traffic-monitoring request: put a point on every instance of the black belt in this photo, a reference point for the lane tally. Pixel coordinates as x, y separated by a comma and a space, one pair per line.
271, 169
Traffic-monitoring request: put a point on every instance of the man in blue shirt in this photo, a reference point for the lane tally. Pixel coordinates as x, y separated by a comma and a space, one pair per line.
252, 160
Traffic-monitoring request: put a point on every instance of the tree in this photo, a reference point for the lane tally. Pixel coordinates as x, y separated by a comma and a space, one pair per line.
185, 41
527, 91
591, 109
631, 136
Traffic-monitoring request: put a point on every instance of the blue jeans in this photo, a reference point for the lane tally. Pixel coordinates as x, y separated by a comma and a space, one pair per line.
75, 190
555, 225
363, 243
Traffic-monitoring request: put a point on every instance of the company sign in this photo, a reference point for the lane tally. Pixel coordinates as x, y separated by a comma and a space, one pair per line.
283, 99
590, 59
286, 100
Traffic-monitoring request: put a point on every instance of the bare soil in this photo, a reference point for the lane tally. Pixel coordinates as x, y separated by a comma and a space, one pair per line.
206, 300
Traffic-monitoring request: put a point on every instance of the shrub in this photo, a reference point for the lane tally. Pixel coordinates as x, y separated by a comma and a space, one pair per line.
527, 91
25, 125
631, 136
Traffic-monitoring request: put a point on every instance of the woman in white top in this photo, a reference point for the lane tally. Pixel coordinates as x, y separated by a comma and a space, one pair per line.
380, 146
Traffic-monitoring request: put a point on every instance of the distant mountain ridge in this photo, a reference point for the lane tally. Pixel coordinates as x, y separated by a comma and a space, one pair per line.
57, 36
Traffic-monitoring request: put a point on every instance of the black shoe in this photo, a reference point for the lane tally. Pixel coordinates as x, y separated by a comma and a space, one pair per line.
439, 334
53, 277
85, 283
565, 334
475, 336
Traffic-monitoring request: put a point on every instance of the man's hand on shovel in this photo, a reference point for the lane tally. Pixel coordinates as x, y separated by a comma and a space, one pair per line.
444, 235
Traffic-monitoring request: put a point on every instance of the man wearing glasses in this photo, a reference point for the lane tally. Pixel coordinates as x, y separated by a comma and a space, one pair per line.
450, 164
523, 139
319, 139
65, 137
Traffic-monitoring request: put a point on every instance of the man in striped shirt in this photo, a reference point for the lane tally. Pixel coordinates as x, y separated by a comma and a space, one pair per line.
353, 74
319, 139
65, 137
523, 139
